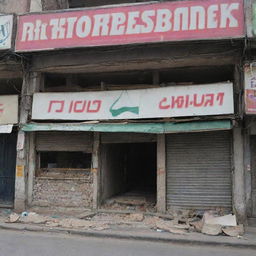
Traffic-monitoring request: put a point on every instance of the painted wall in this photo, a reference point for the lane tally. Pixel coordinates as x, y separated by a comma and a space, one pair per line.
11, 6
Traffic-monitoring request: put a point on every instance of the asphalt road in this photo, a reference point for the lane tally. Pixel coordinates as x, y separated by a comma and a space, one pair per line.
14, 243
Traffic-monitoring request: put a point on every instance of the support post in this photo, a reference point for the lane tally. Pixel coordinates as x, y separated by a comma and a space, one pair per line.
239, 204
31, 84
161, 174
31, 166
96, 170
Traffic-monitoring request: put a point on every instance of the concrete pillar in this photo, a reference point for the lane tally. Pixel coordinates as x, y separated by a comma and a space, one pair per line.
31, 84
239, 203
96, 170
20, 183
161, 174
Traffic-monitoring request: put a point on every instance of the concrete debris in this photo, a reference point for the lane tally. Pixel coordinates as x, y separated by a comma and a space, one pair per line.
198, 225
151, 221
52, 224
210, 224
180, 226
135, 217
211, 229
14, 217
87, 215
75, 223
234, 231
170, 227
33, 218
102, 227
226, 220
167, 226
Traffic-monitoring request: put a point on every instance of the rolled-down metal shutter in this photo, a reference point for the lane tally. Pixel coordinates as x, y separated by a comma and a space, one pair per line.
64, 141
199, 170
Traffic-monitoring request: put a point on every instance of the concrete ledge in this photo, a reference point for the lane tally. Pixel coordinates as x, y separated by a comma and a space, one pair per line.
189, 239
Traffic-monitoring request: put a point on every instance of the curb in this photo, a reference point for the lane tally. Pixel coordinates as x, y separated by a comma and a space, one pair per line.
117, 235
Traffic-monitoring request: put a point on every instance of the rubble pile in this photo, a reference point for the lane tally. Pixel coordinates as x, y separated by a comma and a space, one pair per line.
212, 223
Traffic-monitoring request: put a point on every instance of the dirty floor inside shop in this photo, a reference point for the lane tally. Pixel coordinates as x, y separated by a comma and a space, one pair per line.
132, 201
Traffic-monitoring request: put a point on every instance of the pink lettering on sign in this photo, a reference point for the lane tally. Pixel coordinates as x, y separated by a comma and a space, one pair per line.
75, 106
194, 100
143, 23
1, 108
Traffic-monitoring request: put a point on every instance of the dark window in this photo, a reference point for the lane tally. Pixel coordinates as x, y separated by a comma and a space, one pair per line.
62, 164
66, 160
91, 3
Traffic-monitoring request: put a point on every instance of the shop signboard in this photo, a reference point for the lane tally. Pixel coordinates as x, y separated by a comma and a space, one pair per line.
9, 109
173, 101
250, 89
131, 24
6, 28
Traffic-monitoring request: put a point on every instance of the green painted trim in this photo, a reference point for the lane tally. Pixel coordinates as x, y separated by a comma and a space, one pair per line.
133, 127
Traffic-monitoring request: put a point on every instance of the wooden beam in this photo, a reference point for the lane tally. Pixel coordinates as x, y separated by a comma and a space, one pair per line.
161, 174
96, 170
137, 58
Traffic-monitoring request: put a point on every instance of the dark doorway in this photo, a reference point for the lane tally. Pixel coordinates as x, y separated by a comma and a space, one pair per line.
129, 175
7, 168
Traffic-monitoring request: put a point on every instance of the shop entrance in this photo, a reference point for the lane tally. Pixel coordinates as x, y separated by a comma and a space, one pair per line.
129, 176
7, 168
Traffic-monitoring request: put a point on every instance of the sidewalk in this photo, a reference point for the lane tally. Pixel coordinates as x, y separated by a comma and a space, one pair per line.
137, 231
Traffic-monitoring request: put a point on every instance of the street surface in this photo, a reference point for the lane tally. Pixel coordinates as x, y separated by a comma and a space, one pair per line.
15, 243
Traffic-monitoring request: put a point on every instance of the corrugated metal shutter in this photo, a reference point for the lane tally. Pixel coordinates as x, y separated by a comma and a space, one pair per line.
117, 137
199, 170
64, 141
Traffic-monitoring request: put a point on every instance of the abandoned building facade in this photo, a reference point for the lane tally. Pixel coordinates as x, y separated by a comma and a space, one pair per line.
149, 105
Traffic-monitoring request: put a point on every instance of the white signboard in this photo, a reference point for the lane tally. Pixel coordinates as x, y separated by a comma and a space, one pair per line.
7, 128
196, 100
6, 26
9, 109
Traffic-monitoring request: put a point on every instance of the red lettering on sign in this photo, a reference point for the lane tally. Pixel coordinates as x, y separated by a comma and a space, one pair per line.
161, 104
96, 103
58, 104
194, 100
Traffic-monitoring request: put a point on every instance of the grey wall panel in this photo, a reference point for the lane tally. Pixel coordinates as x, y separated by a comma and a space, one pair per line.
64, 141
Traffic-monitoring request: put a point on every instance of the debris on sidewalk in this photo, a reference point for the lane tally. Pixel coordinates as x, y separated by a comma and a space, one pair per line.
211, 229
170, 227
87, 215
14, 217
226, 220
198, 225
33, 217
181, 222
135, 217
101, 227
234, 231
212, 224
